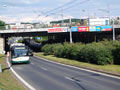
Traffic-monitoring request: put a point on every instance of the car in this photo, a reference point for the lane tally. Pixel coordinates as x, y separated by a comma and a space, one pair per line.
30, 52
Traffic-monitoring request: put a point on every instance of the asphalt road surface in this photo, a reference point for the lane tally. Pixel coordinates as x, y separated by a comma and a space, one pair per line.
44, 75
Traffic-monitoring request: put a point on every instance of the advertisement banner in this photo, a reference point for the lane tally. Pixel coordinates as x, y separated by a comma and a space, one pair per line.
98, 28
57, 30
74, 29
94, 28
83, 29
106, 28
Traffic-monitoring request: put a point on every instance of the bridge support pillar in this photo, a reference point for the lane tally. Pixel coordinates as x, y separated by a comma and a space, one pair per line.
2, 45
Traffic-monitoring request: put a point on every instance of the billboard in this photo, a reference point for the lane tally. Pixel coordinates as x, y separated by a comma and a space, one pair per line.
57, 30
94, 28
106, 28
83, 29
74, 29
98, 28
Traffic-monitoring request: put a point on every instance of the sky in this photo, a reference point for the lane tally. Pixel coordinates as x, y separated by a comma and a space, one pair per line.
43, 11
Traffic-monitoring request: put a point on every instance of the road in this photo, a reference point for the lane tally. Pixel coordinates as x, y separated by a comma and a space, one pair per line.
44, 75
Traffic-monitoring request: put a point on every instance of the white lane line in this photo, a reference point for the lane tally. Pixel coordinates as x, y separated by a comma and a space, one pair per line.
20, 78
32, 63
80, 68
43, 68
71, 79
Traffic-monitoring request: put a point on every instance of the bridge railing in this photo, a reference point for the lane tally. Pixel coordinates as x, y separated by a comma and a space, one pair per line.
62, 29
24, 30
116, 26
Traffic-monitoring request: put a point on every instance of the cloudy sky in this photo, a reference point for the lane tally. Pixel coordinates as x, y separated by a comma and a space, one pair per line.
47, 10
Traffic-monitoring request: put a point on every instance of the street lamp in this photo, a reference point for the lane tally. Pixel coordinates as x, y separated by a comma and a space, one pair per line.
70, 25
113, 30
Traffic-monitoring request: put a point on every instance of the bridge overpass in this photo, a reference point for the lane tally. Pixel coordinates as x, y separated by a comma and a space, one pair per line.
59, 33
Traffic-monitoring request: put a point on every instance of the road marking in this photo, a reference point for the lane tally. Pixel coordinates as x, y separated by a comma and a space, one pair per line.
68, 78
80, 68
43, 68
20, 78
32, 63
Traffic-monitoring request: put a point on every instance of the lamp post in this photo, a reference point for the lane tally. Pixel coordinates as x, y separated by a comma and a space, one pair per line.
70, 25
113, 30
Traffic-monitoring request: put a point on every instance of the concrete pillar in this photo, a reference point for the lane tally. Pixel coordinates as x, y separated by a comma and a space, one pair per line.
2, 45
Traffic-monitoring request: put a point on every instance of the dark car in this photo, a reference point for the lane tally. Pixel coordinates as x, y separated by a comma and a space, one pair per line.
30, 52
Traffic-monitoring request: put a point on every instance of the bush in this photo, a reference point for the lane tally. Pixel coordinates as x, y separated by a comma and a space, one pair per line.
96, 53
58, 50
47, 49
75, 50
85, 53
67, 50
114, 46
116, 54
110, 44
100, 53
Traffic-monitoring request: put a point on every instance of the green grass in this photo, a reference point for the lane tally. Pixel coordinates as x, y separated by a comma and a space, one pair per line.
114, 69
7, 81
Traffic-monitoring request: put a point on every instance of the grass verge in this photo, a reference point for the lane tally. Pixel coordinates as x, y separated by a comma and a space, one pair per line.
110, 69
7, 81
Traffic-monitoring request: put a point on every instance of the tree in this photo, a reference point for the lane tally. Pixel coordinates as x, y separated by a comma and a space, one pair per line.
2, 25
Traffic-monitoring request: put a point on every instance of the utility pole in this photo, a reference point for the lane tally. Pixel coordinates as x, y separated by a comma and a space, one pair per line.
113, 30
70, 22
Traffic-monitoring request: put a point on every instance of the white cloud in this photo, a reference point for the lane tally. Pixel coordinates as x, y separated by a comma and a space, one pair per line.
30, 1
28, 10
22, 1
32, 18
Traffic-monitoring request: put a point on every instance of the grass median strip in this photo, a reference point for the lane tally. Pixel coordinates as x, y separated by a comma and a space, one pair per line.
113, 69
7, 81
